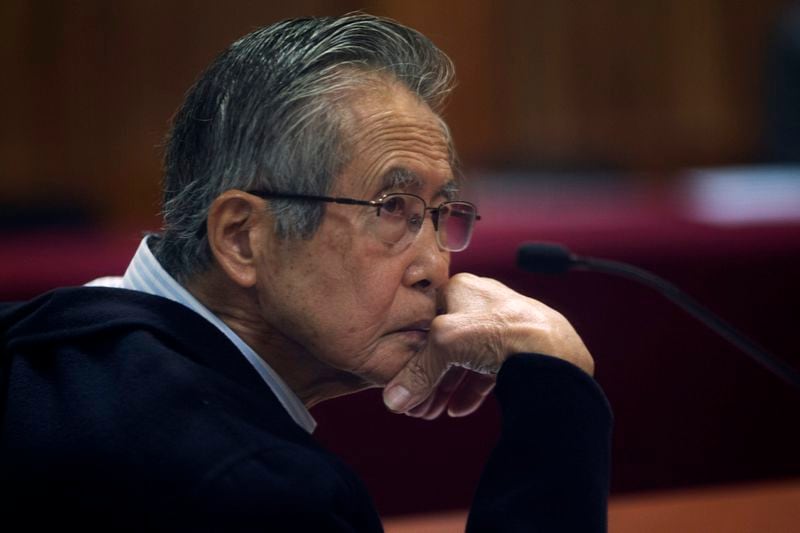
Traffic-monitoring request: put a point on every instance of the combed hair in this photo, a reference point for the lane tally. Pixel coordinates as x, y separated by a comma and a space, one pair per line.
266, 114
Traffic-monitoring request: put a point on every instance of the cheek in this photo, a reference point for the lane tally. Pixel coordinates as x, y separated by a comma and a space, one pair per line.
370, 302
341, 301
354, 334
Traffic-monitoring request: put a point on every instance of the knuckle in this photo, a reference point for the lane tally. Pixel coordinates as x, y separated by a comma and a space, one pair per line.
443, 330
462, 276
462, 279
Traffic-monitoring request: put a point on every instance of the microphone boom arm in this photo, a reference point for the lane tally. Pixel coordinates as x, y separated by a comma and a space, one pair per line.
551, 258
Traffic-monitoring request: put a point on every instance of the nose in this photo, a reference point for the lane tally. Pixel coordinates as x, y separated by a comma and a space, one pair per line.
429, 266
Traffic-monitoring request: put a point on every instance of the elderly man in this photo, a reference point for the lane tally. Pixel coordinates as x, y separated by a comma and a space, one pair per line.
310, 210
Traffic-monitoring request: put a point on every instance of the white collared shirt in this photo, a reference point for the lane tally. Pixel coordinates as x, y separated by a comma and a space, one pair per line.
145, 274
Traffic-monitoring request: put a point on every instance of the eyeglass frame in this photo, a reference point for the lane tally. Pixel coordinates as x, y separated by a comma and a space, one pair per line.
373, 203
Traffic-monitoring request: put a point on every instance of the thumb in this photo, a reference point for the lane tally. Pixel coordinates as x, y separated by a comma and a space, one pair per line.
416, 381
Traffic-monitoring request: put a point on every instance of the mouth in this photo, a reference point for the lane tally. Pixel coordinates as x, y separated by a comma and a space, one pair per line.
415, 334
423, 326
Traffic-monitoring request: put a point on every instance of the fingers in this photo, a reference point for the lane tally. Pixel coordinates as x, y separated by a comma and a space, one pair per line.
440, 399
452, 341
416, 382
461, 337
470, 395
460, 392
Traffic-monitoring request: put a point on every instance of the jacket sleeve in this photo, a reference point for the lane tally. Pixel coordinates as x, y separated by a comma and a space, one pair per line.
549, 472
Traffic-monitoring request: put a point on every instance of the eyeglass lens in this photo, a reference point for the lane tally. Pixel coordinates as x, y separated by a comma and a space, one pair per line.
401, 216
455, 225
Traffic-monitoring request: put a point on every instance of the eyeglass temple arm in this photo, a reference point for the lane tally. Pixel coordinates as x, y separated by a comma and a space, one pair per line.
332, 199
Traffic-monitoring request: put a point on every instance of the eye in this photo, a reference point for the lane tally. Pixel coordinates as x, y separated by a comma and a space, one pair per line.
415, 222
394, 205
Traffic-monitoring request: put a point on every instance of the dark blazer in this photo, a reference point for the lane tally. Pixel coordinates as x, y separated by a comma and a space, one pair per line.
125, 411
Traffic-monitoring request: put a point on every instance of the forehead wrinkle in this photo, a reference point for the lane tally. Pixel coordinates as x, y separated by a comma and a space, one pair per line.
384, 138
405, 139
427, 134
391, 125
390, 154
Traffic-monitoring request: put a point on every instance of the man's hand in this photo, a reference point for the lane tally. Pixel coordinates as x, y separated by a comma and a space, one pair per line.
484, 323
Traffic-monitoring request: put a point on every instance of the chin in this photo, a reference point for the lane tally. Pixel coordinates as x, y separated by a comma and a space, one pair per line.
377, 367
392, 363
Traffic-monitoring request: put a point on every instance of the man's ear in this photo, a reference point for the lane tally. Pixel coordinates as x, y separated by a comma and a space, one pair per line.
237, 230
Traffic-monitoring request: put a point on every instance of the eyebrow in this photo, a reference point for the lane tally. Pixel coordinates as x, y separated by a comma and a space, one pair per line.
403, 178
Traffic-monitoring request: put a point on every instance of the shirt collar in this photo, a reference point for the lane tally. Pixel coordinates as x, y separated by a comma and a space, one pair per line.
145, 274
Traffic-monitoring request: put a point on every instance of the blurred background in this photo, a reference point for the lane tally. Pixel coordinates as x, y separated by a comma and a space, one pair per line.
641, 89
662, 133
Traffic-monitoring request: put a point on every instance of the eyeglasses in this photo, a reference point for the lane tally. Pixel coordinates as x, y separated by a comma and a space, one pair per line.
400, 217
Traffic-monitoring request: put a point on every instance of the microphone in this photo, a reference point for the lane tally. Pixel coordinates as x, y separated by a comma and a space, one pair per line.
549, 258
545, 258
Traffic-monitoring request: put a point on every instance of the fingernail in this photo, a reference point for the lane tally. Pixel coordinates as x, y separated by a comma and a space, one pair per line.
396, 398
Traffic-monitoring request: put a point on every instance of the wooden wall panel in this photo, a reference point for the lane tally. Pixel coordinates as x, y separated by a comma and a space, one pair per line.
636, 85
89, 86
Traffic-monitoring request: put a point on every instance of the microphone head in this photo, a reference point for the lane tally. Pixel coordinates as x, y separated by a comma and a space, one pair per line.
544, 258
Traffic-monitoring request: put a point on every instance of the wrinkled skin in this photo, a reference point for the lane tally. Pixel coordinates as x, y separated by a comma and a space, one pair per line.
344, 311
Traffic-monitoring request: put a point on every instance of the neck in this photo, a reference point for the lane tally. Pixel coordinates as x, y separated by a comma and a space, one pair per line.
310, 379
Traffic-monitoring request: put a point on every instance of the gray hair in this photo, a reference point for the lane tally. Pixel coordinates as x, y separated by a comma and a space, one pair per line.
266, 115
